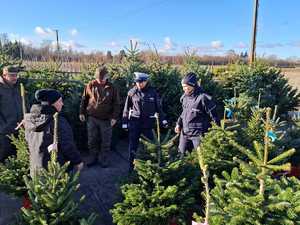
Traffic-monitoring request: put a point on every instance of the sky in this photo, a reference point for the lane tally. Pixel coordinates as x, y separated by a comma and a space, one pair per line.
171, 26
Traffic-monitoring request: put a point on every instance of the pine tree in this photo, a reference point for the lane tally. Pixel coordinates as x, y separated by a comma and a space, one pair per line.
249, 195
51, 192
15, 168
158, 150
165, 188
216, 149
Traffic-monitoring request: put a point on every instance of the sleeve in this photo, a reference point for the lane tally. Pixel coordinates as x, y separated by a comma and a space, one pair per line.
67, 144
211, 108
84, 100
179, 120
127, 106
116, 104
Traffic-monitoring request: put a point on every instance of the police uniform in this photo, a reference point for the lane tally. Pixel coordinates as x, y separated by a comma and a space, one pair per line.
198, 110
138, 114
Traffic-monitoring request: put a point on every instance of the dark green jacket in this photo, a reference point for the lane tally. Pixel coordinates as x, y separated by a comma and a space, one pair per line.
10, 106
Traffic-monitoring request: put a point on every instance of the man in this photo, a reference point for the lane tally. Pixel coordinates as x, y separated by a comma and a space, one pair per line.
198, 111
141, 104
100, 106
10, 109
39, 131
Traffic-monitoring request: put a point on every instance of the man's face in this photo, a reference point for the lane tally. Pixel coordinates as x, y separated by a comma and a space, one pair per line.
102, 80
10, 77
187, 89
141, 85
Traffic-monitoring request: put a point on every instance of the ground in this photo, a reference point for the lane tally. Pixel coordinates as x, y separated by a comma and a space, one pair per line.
293, 75
100, 185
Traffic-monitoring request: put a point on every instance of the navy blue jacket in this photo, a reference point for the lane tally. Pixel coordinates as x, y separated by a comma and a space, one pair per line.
198, 110
142, 105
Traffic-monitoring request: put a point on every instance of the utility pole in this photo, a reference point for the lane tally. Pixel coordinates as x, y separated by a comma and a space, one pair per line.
254, 30
57, 41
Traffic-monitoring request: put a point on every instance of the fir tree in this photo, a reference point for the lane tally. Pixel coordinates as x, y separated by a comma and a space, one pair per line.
249, 195
15, 168
165, 189
51, 193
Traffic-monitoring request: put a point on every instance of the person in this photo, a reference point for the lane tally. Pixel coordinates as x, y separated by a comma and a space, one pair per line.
198, 110
100, 106
10, 109
39, 132
142, 103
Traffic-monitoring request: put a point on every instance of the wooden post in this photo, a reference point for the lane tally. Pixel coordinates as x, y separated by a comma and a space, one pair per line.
254, 31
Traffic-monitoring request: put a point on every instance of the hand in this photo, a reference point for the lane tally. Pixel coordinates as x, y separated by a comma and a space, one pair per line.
177, 129
165, 123
79, 166
52, 147
19, 125
113, 122
82, 117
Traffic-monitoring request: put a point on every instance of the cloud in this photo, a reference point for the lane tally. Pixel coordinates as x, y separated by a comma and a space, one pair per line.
241, 45
71, 44
113, 44
169, 45
217, 44
73, 32
43, 31
271, 45
294, 44
25, 41
16, 37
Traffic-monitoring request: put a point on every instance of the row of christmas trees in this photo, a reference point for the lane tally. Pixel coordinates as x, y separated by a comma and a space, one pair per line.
242, 166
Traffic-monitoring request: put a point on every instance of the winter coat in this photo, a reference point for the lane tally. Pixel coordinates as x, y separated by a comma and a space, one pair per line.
100, 101
10, 106
39, 130
198, 110
142, 105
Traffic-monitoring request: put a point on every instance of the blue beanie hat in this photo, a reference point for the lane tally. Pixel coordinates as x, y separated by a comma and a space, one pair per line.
47, 95
190, 79
140, 77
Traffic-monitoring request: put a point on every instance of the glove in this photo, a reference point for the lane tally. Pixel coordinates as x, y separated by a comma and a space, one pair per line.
82, 117
52, 147
165, 123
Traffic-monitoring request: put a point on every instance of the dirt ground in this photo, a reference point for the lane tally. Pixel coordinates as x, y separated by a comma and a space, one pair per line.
99, 185
293, 75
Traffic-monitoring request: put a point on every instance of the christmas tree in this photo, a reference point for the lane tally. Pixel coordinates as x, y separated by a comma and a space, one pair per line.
165, 189
15, 168
51, 192
249, 194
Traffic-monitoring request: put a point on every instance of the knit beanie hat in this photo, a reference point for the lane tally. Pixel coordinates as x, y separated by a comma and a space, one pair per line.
190, 79
47, 95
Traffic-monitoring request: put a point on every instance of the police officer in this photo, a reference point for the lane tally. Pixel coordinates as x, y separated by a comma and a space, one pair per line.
198, 109
141, 104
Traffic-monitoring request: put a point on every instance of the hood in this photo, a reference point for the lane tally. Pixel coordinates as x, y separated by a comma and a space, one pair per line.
39, 117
